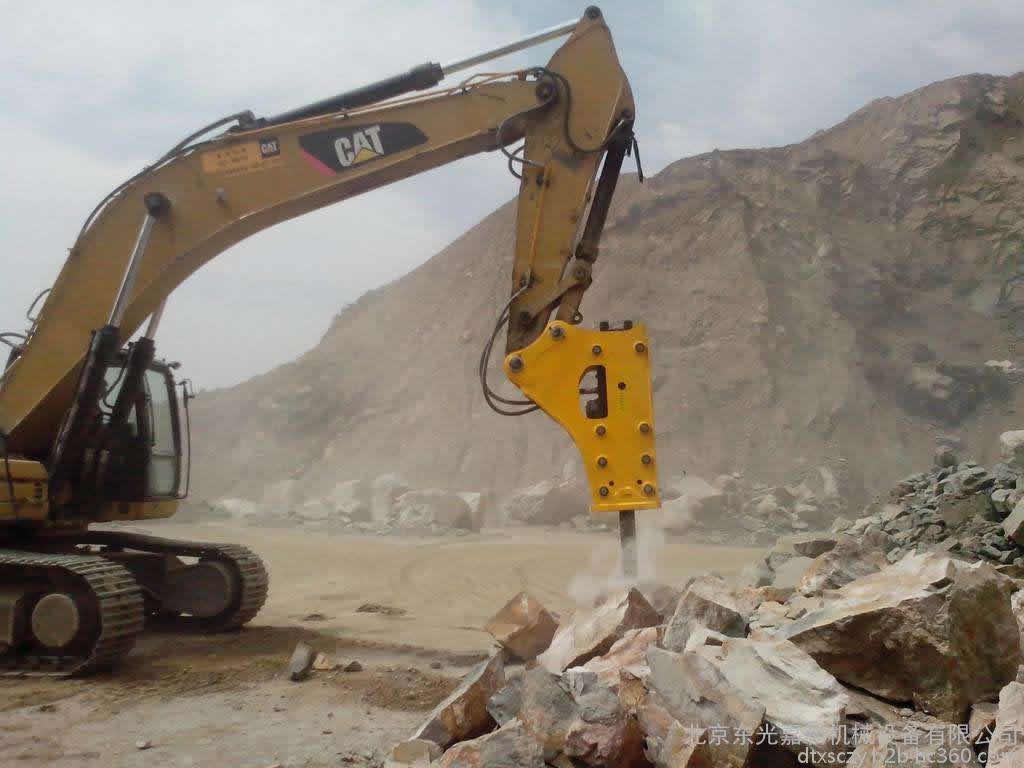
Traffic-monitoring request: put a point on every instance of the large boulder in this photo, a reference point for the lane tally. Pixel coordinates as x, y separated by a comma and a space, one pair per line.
684, 502
481, 508
432, 507
574, 716
463, 715
929, 629
546, 503
709, 602
523, 627
1011, 445
744, 686
592, 632
352, 499
383, 493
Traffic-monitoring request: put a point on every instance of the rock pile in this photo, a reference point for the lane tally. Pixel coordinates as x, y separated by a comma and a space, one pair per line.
734, 511
387, 504
911, 664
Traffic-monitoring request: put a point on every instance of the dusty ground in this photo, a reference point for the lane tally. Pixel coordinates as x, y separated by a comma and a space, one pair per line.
224, 700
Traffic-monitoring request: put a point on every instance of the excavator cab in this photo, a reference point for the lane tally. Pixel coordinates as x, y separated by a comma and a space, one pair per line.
146, 454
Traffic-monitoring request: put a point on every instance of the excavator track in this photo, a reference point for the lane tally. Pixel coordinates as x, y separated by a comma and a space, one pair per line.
251, 574
113, 599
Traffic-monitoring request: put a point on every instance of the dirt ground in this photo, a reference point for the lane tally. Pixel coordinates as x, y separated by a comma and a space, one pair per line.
226, 700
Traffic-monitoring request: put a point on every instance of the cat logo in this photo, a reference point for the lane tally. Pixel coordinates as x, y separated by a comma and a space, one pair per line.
346, 148
359, 146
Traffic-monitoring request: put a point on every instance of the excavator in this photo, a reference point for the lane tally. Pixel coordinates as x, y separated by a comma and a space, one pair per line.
94, 427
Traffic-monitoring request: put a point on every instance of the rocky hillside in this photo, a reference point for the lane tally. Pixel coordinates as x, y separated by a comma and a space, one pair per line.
840, 303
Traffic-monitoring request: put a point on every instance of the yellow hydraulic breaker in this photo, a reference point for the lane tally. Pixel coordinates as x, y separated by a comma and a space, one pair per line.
597, 385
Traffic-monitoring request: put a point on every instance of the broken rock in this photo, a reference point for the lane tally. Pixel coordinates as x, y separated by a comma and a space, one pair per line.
744, 685
301, 662
1013, 526
813, 544
707, 602
511, 746
1011, 444
929, 629
850, 559
593, 632
1006, 750
415, 753
523, 627
683, 747
627, 655
464, 715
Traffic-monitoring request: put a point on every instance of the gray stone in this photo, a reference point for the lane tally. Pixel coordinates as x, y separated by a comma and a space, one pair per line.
1013, 526
945, 457
956, 511
1011, 446
789, 574
850, 559
383, 493
546, 503
423, 508
505, 704
301, 662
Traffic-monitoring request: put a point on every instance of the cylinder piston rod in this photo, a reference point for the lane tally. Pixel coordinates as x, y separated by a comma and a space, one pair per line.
156, 204
551, 33
420, 78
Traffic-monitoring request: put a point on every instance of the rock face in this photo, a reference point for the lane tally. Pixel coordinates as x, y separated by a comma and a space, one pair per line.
523, 627
841, 291
929, 629
590, 633
464, 714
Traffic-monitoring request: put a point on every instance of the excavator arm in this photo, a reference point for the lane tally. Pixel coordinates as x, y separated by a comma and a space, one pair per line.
208, 194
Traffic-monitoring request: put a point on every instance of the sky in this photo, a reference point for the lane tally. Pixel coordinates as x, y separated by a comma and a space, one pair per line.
92, 92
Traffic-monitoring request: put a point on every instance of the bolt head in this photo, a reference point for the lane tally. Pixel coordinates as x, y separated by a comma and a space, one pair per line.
645, 427
557, 332
604, 490
646, 459
640, 347
596, 349
648, 490
602, 461
600, 430
516, 364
